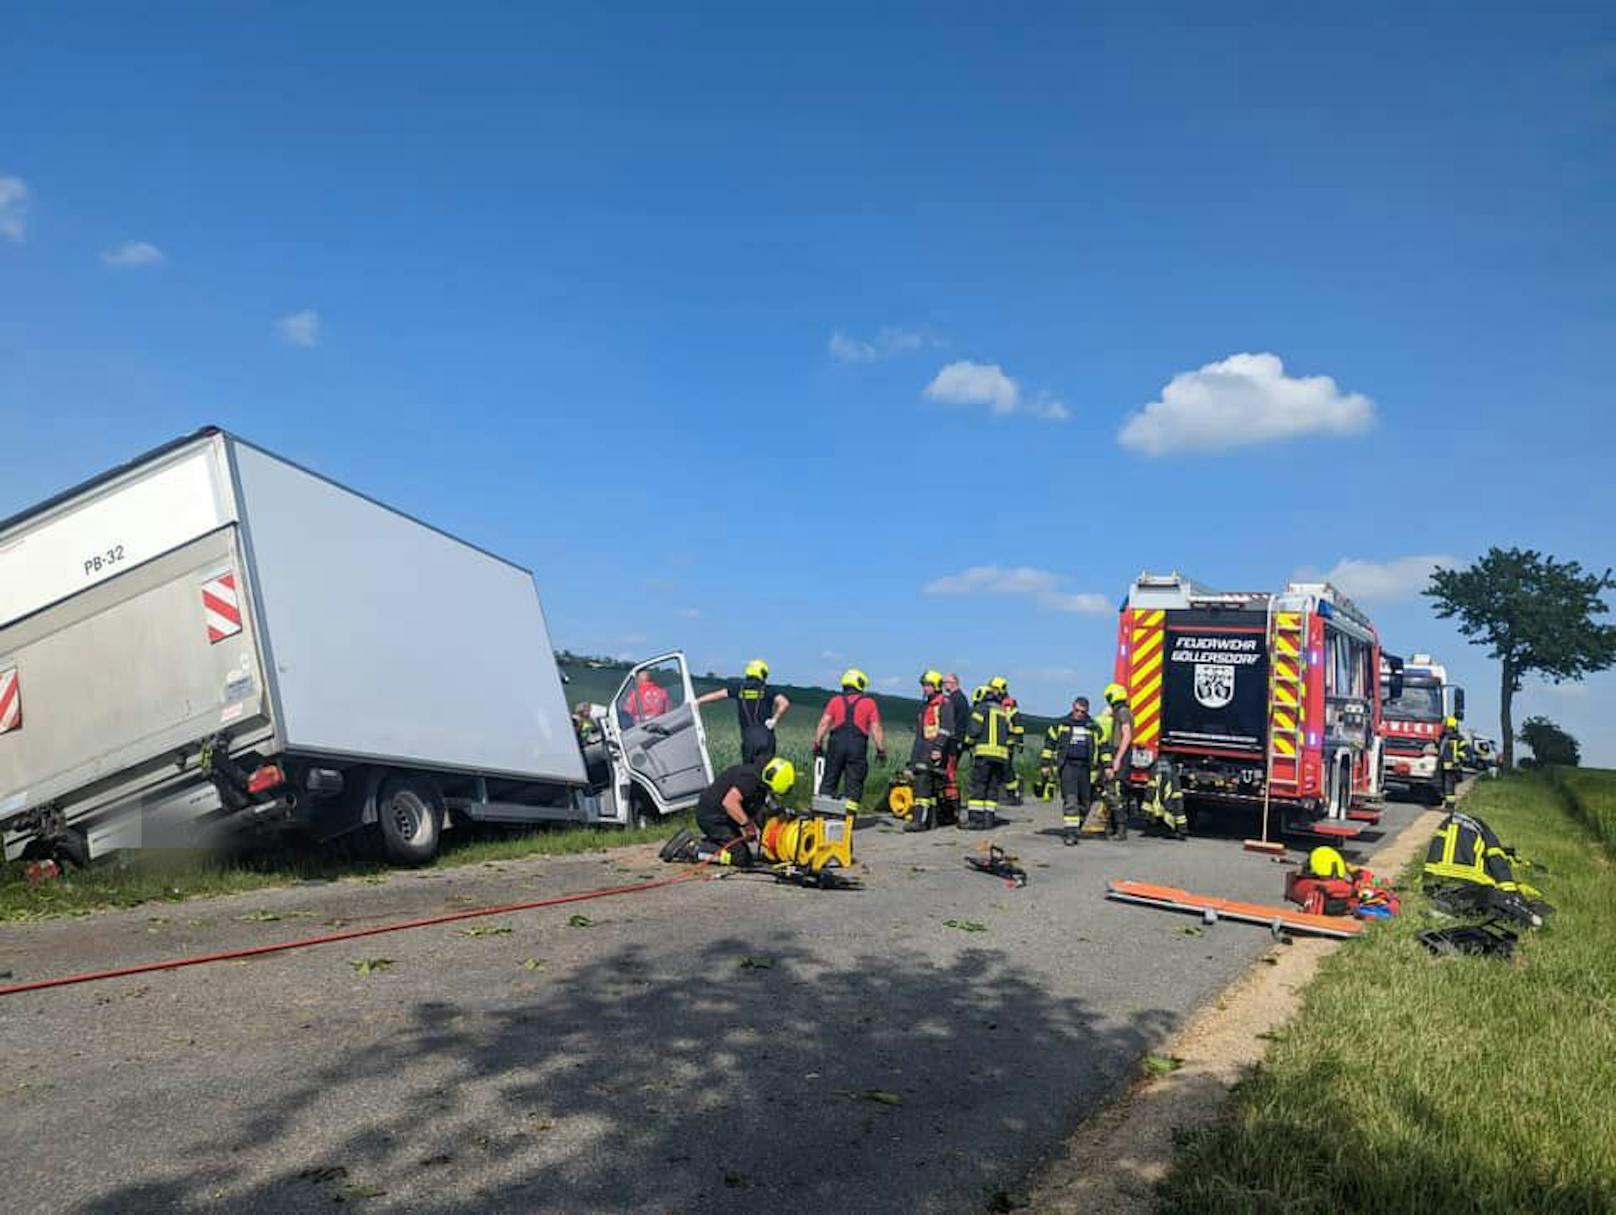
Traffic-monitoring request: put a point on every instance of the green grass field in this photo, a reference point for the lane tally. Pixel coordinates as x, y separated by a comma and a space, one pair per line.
1412, 1083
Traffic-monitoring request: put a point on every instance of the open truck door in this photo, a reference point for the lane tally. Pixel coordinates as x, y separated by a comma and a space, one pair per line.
659, 741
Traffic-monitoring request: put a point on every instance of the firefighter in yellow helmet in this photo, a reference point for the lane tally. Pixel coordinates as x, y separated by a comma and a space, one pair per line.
988, 738
1116, 746
759, 709
1450, 759
935, 732
730, 811
850, 720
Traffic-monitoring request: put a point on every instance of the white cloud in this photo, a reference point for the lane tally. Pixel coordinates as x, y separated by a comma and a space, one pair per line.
1244, 400
847, 349
134, 253
13, 208
300, 328
1085, 603
1399, 578
993, 580
890, 682
963, 382
1044, 586
690, 613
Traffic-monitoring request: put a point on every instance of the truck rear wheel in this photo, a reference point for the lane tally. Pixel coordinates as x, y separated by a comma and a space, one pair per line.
409, 820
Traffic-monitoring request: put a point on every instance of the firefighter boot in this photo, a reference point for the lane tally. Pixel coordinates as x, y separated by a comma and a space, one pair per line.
682, 847
1116, 818
922, 817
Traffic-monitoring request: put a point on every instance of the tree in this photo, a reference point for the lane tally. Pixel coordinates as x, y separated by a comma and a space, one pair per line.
1537, 616
1550, 744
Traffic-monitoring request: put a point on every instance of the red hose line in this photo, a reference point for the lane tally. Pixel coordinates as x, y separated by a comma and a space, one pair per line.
351, 934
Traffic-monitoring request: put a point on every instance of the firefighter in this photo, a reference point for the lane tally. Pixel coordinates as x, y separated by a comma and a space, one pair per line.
1164, 802
1450, 759
730, 810
850, 720
935, 732
1111, 817
988, 738
758, 709
1018, 743
1071, 748
961, 706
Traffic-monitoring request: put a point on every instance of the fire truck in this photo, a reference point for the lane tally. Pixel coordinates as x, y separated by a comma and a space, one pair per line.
1257, 699
1418, 697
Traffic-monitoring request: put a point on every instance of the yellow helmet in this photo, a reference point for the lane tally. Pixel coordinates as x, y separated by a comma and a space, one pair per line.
979, 694
1115, 692
780, 775
999, 684
1326, 862
855, 679
757, 669
1452, 723
935, 678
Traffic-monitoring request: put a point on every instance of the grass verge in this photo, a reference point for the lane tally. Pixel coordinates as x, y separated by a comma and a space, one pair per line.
130, 879
1592, 794
1411, 1083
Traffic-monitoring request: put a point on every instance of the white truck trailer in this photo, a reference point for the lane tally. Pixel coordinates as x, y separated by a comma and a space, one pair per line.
211, 638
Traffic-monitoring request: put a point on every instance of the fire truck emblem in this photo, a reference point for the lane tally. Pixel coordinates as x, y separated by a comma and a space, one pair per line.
1214, 684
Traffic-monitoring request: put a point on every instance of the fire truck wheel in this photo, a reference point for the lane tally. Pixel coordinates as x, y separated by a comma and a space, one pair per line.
410, 820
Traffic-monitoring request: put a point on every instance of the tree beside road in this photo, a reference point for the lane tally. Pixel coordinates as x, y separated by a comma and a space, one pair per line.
1537, 616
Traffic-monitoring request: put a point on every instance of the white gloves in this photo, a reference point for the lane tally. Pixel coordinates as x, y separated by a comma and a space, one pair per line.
769, 723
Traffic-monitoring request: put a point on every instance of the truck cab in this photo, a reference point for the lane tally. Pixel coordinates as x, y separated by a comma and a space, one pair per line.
1413, 708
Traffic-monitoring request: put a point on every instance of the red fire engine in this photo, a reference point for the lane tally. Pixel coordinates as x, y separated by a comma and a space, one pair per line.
1257, 699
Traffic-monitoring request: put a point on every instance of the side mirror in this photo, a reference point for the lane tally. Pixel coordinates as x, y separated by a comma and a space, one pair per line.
1458, 703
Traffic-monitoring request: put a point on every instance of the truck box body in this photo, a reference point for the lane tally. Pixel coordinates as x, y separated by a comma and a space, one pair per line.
1253, 696
211, 586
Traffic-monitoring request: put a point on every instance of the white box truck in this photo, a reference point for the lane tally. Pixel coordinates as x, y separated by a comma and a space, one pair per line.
211, 638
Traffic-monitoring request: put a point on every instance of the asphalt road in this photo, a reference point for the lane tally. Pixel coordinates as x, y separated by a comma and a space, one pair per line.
875, 1059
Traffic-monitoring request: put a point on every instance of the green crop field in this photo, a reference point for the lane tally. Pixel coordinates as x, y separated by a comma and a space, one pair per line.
1444, 1085
599, 684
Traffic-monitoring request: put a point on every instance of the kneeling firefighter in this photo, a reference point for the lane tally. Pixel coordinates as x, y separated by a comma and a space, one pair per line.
1164, 801
935, 731
1071, 746
729, 812
843, 736
988, 738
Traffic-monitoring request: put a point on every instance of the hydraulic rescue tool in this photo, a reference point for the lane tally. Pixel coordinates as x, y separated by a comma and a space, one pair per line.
805, 849
1000, 864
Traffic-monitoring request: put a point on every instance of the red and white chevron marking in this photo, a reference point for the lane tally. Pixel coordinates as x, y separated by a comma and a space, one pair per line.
220, 607
10, 701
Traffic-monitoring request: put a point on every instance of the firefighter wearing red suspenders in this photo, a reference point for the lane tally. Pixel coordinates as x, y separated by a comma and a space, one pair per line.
935, 732
850, 720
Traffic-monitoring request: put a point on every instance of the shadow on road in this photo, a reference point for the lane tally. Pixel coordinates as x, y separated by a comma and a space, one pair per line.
636, 1084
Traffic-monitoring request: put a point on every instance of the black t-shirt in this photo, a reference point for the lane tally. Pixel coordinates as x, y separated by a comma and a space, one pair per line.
748, 778
754, 702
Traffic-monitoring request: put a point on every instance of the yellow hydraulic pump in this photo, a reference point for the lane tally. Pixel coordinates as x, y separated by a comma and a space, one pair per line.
806, 847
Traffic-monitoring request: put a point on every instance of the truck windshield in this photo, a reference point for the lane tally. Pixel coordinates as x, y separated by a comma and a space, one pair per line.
1417, 700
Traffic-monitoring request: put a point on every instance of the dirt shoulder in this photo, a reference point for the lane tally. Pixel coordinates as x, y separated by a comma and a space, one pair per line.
1113, 1162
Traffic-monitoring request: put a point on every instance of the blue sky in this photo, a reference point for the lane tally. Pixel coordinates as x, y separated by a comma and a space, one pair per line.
829, 335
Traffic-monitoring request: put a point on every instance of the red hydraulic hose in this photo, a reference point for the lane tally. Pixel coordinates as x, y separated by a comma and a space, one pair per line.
349, 934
